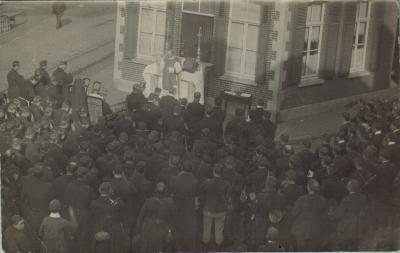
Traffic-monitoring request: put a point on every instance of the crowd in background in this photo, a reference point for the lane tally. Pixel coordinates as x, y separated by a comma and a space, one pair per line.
169, 175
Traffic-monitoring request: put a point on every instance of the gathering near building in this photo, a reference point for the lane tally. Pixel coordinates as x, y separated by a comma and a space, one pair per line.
193, 160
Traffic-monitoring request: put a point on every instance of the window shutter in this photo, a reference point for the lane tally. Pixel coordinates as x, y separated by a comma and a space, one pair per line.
221, 32
131, 29
330, 34
374, 35
297, 45
349, 17
262, 51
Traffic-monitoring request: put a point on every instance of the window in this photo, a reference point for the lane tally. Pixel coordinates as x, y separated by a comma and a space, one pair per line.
151, 28
205, 7
312, 40
359, 37
243, 39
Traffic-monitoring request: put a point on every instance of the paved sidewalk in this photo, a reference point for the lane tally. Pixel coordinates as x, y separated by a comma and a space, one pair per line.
87, 37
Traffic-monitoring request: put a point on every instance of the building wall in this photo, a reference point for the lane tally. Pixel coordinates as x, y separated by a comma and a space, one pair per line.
282, 34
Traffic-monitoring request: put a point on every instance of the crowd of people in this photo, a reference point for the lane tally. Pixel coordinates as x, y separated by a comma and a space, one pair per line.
168, 175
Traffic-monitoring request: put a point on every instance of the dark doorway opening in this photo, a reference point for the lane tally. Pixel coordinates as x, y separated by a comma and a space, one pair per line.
189, 38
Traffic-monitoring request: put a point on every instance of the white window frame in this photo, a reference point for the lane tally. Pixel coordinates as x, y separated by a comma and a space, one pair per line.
310, 25
246, 23
357, 26
154, 16
198, 12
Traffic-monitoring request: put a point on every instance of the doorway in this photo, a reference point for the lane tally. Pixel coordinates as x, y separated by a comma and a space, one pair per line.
189, 40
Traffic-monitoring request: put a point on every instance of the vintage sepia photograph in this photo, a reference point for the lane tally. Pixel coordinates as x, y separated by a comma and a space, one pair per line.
138, 126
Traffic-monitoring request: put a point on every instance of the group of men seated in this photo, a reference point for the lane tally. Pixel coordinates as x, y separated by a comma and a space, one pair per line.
168, 175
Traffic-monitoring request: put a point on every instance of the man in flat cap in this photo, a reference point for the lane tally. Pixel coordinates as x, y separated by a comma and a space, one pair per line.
15, 238
15, 81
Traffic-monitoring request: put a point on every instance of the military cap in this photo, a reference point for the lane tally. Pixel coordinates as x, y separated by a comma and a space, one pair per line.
43, 63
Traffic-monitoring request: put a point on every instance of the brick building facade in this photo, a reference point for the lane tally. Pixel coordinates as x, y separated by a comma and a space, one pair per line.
287, 53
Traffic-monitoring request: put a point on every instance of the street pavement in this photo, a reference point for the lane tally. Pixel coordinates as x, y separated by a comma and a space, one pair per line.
86, 38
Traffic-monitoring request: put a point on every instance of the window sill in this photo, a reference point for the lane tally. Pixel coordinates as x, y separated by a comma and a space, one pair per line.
356, 74
237, 80
310, 82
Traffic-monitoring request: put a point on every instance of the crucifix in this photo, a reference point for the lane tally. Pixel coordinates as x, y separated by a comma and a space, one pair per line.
198, 45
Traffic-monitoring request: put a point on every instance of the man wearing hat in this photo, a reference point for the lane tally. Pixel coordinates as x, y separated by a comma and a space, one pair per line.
106, 162
380, 189
63, 81
45, 77
268, 200
237, 127
351, 218
207, 122
32, 147
155, 219
103, 211
15, 239
185, 191
309, 216
216, 193
257, 113
79, 195
175, 122
36, 195
144, 187
136, 99
195, 110
126, 191
168, 103
15, 81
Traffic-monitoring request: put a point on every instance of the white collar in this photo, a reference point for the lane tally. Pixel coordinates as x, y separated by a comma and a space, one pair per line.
55, 215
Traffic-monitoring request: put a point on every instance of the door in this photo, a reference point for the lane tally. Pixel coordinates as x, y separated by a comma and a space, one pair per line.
189, 37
